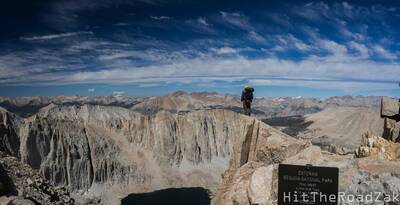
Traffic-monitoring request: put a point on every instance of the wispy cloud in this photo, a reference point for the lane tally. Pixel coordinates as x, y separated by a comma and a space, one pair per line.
314, 11
289, 42
225, 50
237, 19
360, 48
256, 37
336, 49
384, 52
347, 5
64, 15
56, 36
122, 24
202, 25
203, 21
160, 17
280, 19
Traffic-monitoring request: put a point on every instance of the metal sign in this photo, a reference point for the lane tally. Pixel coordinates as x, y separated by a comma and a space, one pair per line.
307, 185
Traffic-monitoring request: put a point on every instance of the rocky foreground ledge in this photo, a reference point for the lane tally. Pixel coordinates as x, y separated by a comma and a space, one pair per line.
252, 176
20, 184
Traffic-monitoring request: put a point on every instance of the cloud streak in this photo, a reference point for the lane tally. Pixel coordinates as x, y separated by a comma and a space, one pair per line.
384, 53
56, 36
160, 17
237, 20
203, 21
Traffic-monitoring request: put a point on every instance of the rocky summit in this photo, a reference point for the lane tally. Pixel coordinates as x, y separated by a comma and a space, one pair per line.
255, 180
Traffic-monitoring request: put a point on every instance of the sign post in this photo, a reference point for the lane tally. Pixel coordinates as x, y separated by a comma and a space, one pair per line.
307, 185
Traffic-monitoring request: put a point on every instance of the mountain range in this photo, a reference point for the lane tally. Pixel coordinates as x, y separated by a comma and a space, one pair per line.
101, 149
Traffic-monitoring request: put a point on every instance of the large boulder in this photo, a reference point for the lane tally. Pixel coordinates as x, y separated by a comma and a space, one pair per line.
260, 186
391, 115
391, 129
389, 107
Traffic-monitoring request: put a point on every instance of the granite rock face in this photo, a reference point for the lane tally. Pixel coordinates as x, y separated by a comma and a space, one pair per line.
114, 151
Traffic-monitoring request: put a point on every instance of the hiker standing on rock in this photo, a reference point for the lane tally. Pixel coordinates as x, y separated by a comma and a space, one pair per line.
247, 98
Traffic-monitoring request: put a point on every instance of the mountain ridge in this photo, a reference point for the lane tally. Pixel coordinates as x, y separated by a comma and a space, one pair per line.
104, 149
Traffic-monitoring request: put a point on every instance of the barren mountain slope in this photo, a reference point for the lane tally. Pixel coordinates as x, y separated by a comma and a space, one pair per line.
281, 107
343, 126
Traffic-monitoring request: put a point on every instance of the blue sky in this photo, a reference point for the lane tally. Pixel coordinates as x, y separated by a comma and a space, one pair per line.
151, 47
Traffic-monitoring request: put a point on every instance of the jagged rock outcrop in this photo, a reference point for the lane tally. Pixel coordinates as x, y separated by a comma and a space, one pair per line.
391, 129
379, 147
390, 111
23, 185
9, 139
